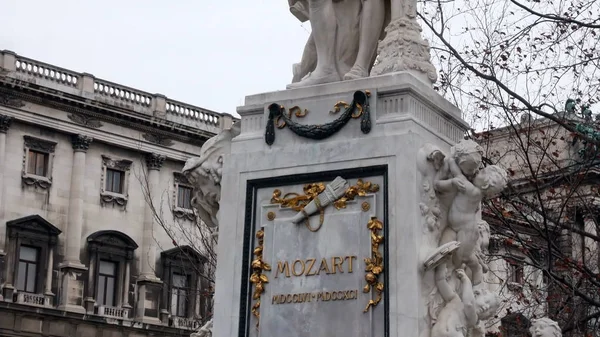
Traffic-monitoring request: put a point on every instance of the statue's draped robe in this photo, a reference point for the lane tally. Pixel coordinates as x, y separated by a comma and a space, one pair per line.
348, 19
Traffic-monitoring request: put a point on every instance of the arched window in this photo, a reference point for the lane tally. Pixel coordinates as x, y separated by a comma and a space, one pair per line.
30, 260
109, 273
184, 286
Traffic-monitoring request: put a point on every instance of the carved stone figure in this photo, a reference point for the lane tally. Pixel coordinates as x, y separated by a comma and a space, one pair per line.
205, 331
463, 310
483, 244
205, 174
343, 42
455, 238
463, 213
544, 327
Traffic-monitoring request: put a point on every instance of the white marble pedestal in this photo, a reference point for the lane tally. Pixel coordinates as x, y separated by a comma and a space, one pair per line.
405, 114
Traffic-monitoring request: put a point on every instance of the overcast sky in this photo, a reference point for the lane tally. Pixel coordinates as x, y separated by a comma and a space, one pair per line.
207, 53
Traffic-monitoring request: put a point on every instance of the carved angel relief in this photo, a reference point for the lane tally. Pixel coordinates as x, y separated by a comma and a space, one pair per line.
455, 237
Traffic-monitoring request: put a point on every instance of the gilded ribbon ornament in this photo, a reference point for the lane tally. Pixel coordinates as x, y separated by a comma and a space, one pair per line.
297, 202
361, 189
374, 264
258, 278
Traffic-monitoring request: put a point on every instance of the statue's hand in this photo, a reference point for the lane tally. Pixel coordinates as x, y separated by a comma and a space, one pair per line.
460, 273
459, 184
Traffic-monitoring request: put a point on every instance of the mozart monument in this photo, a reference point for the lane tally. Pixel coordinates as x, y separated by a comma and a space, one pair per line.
348, 205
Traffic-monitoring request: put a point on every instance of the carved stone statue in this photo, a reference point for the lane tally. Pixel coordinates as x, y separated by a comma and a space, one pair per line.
483, 244
455, 239
462, 223
205, 173
464, 309
343, 42
544, 327
345, 36
205, 331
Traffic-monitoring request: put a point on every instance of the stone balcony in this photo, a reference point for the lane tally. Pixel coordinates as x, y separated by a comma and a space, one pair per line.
113, 312
186, 323
39, 300
19, 71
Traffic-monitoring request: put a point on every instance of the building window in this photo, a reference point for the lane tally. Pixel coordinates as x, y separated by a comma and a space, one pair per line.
516, 272
28, 269
185, 286
37, 162
107, 275
115, 178
179, 295
184, 197
114, 181
30, 246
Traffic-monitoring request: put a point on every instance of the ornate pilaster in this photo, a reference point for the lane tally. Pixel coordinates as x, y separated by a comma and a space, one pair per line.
5, 123
71, 269
404, 49
154, 161
148, 283
81, 142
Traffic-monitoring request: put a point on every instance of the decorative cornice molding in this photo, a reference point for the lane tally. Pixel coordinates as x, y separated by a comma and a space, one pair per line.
36, 181
182, 213
5, 122
149, 125
158, 139
10, 100
119, 200
85, 120
119, 164
38, 144
81, 142
180, 178
154, 161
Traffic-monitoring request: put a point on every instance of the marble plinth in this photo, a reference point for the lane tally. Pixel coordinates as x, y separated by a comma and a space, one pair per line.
405, 114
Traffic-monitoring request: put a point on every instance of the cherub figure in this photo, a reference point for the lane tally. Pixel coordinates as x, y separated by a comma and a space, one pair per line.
461, 312
462, 215
545, 327
465, 160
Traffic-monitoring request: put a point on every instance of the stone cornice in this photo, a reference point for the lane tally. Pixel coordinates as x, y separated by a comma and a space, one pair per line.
99, 111
98, 135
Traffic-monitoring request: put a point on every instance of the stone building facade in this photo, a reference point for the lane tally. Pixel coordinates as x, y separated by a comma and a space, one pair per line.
81, 253
543, 228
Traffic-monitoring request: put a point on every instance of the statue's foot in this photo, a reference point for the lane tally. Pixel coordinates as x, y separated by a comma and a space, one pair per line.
315, 79
355, 73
